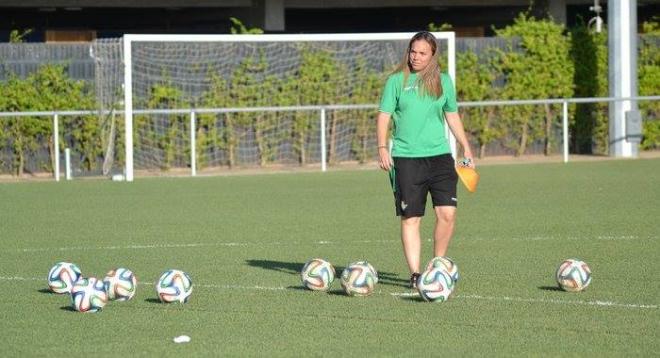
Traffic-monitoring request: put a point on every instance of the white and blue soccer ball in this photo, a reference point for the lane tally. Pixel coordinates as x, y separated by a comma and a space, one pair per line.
573, 275
317, 275
120, 284
435, 285
174, 286
447, 264
358, 279
88, 295
62, 276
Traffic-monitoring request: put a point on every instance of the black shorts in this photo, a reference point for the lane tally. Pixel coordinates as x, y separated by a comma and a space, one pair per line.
414, 178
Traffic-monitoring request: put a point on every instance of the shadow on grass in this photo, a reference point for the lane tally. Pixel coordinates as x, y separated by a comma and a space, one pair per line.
153, 300
389, 278
550, 288
294, 268
46, 291
337, 293
412, 298
68, 308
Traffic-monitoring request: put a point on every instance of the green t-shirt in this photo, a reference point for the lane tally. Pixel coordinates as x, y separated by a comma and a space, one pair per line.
419, 124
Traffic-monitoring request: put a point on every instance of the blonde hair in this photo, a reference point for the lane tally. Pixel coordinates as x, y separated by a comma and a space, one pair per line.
428, 78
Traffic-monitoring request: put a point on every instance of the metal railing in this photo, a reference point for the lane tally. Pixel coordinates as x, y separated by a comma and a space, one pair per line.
322, 116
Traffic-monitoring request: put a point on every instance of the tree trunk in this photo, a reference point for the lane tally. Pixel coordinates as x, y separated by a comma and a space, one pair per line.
490, 114
548, 129
523, 141
301, 143
21, 163
258, 136
365, 149
51, 153
229, 138
333, 137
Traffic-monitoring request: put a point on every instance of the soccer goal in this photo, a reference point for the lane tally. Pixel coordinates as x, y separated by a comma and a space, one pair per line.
202, 102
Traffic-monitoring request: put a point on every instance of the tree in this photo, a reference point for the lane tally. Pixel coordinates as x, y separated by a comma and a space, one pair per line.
47, 89
589, 130
477, 77
542, 69
649, 83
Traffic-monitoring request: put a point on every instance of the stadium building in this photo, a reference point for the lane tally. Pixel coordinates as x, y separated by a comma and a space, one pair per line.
85, 20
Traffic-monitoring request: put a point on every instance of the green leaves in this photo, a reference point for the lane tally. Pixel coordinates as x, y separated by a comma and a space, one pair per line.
476, 78
542, 68
47, 89
649, 83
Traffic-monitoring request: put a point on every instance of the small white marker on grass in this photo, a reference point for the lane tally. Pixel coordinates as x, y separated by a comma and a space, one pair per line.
181, 339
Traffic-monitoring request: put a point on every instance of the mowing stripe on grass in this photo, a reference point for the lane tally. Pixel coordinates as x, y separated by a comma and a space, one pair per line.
597, 303
275, 243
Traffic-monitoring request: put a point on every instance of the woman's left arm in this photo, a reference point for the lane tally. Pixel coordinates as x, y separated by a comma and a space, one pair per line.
456, 127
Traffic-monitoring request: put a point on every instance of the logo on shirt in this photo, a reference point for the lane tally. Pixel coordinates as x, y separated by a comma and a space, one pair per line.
410, 88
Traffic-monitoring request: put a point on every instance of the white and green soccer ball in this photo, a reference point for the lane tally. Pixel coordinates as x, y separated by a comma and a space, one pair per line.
120, 284
435, 285
446, 263
358, 279
174, 286
317, 275
573, 275
371, 267
88, 295
62, 276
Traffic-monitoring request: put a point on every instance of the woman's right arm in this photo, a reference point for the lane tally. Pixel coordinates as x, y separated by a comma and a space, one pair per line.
382, 129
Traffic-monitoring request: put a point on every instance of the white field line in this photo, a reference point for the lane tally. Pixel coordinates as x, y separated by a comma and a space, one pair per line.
228, 287
597, 303
539, 300
17, 278
132, 247
324, 242
571, 302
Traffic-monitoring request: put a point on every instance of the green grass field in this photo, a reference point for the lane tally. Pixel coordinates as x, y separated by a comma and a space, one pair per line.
244, 239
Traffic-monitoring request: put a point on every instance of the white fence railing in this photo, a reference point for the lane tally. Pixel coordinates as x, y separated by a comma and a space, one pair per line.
321, 109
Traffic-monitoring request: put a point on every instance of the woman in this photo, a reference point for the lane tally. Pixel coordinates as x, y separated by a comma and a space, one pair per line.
419, 98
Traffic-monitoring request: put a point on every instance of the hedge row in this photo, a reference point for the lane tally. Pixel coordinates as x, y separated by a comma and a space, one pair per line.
545, 61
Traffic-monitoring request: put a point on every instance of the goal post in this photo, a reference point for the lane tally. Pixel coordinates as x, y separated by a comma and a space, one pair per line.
190, 63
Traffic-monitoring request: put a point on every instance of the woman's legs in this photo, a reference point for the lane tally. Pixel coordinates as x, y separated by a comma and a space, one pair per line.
444, 229
411, 241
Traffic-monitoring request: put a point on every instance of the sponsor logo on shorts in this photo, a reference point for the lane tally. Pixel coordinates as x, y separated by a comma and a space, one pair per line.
454, 199
403, 205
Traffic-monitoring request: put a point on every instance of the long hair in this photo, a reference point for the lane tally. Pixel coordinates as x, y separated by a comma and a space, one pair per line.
428, 79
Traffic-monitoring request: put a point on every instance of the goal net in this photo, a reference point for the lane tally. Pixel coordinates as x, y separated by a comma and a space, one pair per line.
196, 103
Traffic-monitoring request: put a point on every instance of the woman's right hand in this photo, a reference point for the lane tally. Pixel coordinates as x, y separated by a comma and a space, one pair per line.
385, 160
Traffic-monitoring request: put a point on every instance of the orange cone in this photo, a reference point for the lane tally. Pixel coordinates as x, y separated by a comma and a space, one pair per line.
469, 178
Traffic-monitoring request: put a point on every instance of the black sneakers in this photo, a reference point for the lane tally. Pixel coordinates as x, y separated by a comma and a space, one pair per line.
413, 280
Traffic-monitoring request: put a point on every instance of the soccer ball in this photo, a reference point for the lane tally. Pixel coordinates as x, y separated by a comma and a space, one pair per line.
88, 295
62, 276
174, 286
317, 275
120, 284
435, 285
445, 263
358, 279
573, 275
373, 270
